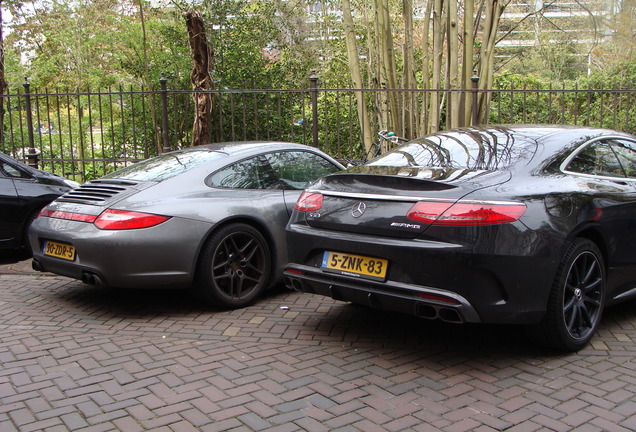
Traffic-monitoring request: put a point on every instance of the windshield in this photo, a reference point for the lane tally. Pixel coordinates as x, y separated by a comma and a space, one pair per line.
166, 166
461, 150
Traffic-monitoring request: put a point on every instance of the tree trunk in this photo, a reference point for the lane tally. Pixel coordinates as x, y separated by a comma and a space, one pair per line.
387, 61
356, 75
200, 78
468, 61
410, 107
494, 10
438, 44
3, 81
426, 68
159, 145
453, 80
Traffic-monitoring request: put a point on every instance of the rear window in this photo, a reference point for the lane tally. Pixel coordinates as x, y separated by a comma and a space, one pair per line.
166, 166
461, 150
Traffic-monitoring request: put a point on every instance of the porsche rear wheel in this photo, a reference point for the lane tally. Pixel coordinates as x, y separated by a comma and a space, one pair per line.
235, 266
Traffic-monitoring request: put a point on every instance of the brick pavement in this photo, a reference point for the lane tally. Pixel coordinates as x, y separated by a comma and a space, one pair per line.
79, 358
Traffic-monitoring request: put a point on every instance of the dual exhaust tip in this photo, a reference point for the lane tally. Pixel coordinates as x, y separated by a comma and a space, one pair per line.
88, 278
92, 279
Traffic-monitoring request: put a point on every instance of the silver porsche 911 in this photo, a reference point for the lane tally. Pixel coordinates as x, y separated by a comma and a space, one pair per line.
212, 217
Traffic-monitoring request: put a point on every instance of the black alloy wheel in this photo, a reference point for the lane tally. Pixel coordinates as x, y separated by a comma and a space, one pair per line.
577, 299
234, 267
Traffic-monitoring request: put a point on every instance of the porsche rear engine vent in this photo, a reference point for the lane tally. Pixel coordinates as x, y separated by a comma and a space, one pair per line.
96, 191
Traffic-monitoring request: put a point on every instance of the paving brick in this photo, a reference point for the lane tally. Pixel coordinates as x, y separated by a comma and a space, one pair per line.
39, 425
74, 357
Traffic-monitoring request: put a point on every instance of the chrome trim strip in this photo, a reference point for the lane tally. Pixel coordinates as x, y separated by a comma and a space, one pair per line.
580, 148
600, 177
406, 198
385, 288
372, 196
627, 294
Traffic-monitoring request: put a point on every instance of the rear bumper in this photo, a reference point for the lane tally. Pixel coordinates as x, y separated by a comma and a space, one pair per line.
481, 280
95, 276
424, 302
159, 257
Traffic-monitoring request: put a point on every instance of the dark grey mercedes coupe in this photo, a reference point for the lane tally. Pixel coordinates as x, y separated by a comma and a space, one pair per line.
531, 225
209, 216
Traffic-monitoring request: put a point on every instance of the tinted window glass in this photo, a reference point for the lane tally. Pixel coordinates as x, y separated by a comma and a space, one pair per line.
165, 166
597, 158
7, 170
296, 169
626, 153
254, 173
496, 150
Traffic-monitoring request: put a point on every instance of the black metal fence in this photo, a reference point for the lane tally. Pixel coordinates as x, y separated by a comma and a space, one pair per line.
84, 135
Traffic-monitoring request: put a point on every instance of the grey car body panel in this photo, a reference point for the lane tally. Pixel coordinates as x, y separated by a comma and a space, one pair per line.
166, 255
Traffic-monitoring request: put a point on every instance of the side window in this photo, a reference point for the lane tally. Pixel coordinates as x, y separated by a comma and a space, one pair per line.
254, 173
296, 169
597, 158
7, 170
626, 154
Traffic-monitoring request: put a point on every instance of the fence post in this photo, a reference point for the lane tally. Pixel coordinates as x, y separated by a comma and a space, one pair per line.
475, 108
32, 155
164, 113
314, 108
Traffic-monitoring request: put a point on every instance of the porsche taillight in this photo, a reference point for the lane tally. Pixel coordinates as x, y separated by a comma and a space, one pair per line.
125, 220
309, 202
110, 219
466, 213
55, 214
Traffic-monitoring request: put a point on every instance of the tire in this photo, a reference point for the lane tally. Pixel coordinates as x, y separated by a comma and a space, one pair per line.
576, 300
234, 267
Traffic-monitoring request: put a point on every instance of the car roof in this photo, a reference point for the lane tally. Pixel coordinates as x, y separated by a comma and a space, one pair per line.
545, 132
249, 147
539, 130
502, 146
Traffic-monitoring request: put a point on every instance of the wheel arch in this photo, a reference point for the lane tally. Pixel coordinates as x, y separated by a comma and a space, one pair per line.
592, 234
260, 226
560, 328
597, 238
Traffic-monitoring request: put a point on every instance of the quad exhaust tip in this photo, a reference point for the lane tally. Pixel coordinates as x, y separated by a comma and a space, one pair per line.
422, 310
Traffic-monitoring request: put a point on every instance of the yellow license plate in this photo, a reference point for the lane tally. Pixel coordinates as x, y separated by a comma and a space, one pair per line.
59, 250
355, 265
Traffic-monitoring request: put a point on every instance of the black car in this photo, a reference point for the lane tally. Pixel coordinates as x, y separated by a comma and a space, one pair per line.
531, 225
24, 191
